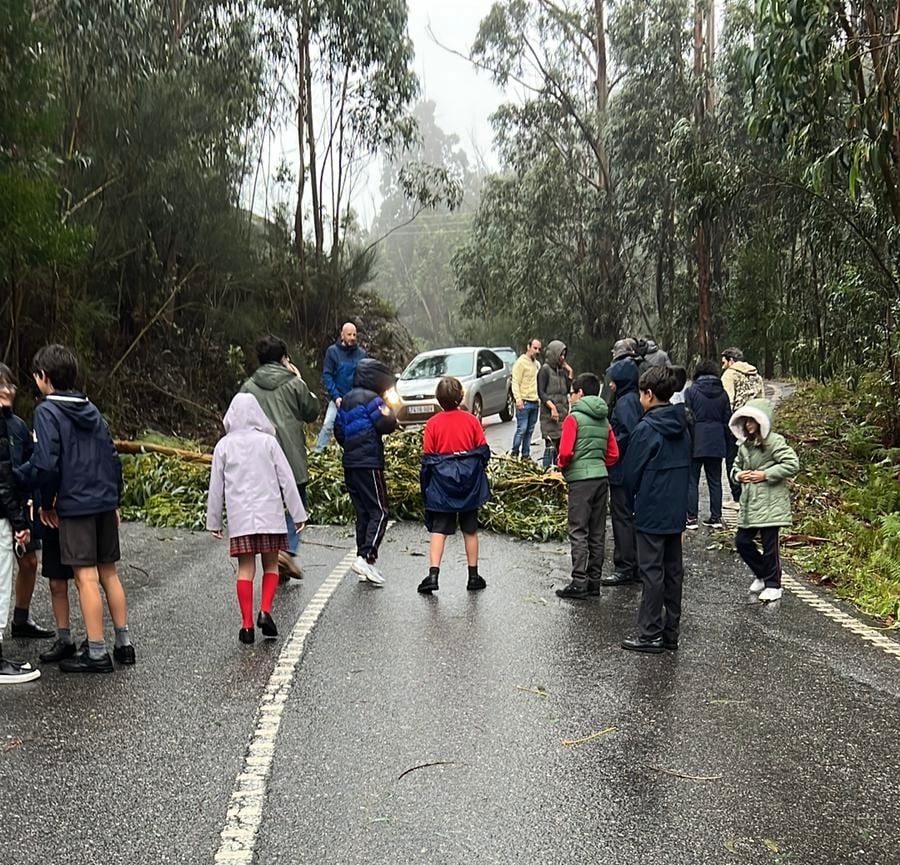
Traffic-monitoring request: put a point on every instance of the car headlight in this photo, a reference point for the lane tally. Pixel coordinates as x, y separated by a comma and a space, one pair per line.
393, 397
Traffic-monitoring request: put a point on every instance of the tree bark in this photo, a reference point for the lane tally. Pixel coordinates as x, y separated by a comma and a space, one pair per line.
311, 143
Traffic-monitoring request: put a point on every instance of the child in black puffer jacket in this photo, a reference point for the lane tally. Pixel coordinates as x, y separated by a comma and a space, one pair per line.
362, 420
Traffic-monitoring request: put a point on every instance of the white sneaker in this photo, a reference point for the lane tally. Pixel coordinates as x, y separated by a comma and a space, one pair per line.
770, 595
756, 587
367, 573
375, 576
17, 672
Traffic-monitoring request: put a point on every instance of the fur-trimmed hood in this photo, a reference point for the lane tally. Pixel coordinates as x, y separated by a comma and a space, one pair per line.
758, 409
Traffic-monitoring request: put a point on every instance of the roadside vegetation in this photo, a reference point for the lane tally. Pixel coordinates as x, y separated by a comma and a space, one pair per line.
847, 496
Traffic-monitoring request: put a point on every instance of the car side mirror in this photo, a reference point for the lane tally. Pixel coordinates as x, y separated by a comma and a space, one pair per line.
485, 370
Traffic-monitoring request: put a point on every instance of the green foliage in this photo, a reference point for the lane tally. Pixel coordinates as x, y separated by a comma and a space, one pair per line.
847, 492
526, 503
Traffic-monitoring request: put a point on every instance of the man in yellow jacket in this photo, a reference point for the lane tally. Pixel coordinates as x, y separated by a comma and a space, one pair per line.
525, 392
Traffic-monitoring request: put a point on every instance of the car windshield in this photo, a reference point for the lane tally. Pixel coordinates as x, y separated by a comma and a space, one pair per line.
438, 365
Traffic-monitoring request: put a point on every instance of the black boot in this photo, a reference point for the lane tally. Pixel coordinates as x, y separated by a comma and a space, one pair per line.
430, 583
574, 592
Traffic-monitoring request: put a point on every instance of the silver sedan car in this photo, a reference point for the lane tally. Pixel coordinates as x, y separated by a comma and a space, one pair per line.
486, 380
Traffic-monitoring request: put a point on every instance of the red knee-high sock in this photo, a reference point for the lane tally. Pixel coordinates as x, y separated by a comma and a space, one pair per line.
269, 585
245, 600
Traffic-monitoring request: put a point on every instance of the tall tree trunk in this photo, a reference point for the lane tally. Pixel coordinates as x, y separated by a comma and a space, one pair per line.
703, 55
311, 143
602, 87
302, 36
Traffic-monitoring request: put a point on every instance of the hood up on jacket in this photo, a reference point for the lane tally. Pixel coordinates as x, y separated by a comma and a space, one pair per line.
553, 353
271, 376
626, 347
758, 409
670, 421
650, 346
624, 374
373, 375
710, 385
592, 406
743, 367
77, 408
245, 413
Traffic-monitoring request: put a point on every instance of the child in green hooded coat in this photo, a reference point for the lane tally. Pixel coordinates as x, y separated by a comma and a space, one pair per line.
764, 463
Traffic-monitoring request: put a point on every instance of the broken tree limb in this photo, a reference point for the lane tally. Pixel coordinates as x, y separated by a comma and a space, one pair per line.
137, 448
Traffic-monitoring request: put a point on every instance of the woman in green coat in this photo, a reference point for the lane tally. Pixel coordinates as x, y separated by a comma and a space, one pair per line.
763, 465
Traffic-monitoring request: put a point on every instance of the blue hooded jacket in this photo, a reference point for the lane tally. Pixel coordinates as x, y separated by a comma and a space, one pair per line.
339, 367
75, 458
455, 483
711, 408
657, 470
364, 417
11, 506
626, 412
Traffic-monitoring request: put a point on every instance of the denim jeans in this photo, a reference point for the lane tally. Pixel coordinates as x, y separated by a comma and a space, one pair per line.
327, 427
293, 537
526, 418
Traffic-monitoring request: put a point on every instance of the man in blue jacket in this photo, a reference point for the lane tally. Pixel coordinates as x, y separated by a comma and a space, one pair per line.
622, 377
657, 474
338, 370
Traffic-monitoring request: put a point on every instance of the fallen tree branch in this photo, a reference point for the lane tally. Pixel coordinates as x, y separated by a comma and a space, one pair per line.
685, 775
427, 766
568, 743
137, 448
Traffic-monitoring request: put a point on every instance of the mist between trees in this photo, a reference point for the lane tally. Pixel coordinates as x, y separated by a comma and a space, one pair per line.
709, 175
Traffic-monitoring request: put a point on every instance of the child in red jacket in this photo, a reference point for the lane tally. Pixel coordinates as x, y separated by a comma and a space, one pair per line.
454, 484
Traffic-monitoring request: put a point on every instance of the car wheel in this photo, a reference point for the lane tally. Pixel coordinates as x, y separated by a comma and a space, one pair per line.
478, 407
509, 410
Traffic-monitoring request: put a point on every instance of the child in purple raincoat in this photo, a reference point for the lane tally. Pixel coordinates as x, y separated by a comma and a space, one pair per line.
251, 477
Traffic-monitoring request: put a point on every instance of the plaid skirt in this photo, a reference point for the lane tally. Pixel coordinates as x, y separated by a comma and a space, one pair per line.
245, 545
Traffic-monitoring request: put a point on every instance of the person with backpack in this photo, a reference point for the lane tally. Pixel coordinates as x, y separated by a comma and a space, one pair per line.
742, 383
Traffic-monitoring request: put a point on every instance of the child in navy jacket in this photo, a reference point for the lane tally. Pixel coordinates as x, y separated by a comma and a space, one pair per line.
657, 472
362, 420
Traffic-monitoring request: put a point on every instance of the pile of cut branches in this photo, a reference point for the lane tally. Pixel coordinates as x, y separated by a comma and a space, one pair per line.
167, 485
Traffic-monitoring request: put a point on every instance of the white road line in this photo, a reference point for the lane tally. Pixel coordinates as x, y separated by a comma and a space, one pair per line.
245, 809
855, 626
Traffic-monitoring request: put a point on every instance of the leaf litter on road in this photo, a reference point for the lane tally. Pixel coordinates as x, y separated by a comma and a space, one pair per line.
570, 743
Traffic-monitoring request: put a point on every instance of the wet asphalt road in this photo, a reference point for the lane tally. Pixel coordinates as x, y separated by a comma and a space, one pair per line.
793, 720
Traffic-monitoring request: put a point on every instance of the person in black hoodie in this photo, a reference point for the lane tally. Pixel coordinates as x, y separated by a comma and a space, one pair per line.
80, 479
14, 533
657, 473
711, 409
362, 419
623, 382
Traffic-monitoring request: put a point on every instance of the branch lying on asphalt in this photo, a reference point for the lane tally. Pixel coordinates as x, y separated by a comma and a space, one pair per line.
426, 766
568, 743
686, 775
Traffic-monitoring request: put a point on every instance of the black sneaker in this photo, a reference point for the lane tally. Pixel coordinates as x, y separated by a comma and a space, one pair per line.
712, 523
428, 585
84, 663
639, 644
266, 624
124, 654
17, 672
31, 631
476, 584
573, 592
691, 524
58, 651
618, 579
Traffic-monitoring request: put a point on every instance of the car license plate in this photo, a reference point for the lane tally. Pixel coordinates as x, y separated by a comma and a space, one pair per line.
420, 409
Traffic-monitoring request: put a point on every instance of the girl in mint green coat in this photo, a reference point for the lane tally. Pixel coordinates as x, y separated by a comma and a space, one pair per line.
764, 463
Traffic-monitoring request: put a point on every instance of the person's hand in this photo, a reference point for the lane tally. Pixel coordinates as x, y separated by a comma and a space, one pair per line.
337, 402
568, 369
23, 537
554, 414
299, 527
50, 518
519, 405
290, 365
217, 535
118, 518
756, 477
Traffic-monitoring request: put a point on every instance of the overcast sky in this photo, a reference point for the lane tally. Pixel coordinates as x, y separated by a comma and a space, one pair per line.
464, 99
